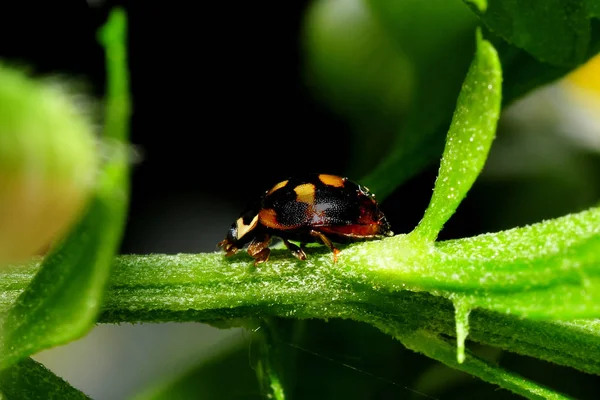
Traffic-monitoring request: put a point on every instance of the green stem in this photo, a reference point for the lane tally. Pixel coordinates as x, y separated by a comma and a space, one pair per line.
208, 288
439, 349
269, 375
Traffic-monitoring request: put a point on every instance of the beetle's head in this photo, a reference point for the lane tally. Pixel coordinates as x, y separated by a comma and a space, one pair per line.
385, 228
240, 232
374, 213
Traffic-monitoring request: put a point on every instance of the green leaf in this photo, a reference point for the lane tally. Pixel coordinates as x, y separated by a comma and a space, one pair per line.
30, 380
557, 32
469, 140
113, 36
62, 302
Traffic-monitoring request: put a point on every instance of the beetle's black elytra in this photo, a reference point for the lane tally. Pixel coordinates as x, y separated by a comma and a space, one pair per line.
312, 208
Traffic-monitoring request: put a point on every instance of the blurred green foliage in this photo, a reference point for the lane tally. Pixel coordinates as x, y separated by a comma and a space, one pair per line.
63, 300
428, 46
30, 380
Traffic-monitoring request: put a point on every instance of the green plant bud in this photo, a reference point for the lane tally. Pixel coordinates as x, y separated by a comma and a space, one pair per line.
48, 163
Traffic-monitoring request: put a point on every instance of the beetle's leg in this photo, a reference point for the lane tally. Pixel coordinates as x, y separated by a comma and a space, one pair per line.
259, 249
296, 251
262, 256
228, 247
327, 243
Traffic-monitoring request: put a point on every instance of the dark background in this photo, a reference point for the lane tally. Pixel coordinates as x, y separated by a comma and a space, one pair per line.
221, 111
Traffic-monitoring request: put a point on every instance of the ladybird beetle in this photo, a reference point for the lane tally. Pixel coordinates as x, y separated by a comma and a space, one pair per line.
305, 209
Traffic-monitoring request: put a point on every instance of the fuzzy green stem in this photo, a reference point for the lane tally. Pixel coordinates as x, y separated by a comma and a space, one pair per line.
367, 284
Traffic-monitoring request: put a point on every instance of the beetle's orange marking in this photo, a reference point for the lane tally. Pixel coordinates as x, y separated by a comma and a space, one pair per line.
332, 180
305, 193
242, 228
268, 217
277, 187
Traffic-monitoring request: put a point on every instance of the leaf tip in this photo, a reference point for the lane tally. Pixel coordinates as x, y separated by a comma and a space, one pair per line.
115, 27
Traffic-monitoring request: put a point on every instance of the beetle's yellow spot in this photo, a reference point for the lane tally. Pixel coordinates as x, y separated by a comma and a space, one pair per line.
306, 193
332, 180
277, 187
242, 228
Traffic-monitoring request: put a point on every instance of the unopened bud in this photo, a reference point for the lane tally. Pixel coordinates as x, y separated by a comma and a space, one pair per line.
48, 164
